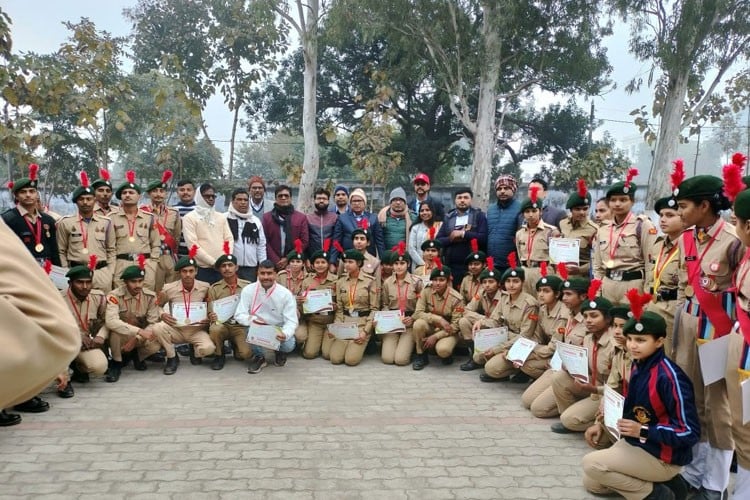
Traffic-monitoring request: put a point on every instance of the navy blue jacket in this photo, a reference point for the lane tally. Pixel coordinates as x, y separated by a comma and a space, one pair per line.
454, 253
342, 232
502, 224
660, 395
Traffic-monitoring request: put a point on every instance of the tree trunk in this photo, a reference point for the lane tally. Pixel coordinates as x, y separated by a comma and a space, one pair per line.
310, 164
668, 139
235, 118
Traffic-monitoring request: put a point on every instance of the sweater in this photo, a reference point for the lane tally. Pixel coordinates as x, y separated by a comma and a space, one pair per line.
272, 231
502, 224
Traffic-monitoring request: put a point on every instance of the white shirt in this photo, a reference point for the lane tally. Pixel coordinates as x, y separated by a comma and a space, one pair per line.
275, 306
249, 254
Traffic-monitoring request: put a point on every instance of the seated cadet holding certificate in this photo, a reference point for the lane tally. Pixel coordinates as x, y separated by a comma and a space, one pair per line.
578, 401
294, 274
659, 425
184, 318
223, 297
268, 307
480, 307
472, 282
361, 239
400, 293
311, 331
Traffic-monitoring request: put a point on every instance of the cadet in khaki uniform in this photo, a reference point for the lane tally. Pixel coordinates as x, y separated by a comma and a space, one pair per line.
663, 269
539, 397
472, 283
85, 234
168, 225
578, 402
187, 290
357, 299
532, 240
88, 306
131, 313
480, 307
400, 293
709, 256
623, 244
578, 226
431, 250
230, 285
519, 312
438, 311
360, 241
134, 233
292, 277
103, 193
312, 327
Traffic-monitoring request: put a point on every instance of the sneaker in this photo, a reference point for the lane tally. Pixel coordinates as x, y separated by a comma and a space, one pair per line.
257, 364
280, 358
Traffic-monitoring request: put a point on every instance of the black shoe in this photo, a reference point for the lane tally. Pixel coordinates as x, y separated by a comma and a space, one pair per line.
183, 350
193, 359
218, 362
486, 378
8, 419
280, 359
157, 357
660, 492
228, 347
33, 405
138, 363
520, 378
78, 375
704, 494
559, 428
470, 365
113, 372
447, 361
172, 363
67, 391
420, 361
257, 364
679, 486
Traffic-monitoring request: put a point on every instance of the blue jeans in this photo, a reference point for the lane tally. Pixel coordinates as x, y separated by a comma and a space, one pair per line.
286, 346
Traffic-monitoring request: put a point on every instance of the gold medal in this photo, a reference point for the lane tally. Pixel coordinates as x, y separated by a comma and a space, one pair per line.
39, 248
84, 251
162, 237
131, 239
610, 264
689, 292
187, 321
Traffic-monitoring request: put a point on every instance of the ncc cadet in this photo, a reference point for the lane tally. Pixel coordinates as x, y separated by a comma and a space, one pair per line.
400, 293
578, 402
578, 226
230, 285
361, 238
357, 299
662, 271
87, 234
311, 331
532, 240
134, 232
471, 283
386, 264
35, 229
431, 250
292, 277
103, 193
438, 311
168, 225
132, 311
186, 291
539, 397
623, 243
516, 310
709, 256
88, 307
480, 307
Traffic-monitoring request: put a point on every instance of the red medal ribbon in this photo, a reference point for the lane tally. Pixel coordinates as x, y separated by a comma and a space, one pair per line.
84, 324
613, 247
38, 232
253, 307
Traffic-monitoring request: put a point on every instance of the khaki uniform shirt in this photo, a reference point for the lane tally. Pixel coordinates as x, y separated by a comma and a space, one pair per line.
470, 287
98, 238
102, 212
172, 293
520, 316
291, 283
126, 314
482, 304
533, 244
432, 307
627, 250
221, 290
572, 332
146, 236
371, 267
169, 219
664, 259
605, 352
409, 290
89, 314
619, 374
585, 233
313, 282
357, 294
551, 322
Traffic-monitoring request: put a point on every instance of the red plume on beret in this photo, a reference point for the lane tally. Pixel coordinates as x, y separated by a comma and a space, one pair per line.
142, 262
512, 260
33, 171
637, 301
104, 174
632, 172
733, 184
193, 251
438, 262
543, 268
401, 248
298, 246
92, 263
582, 189
739, 159
10, 185
47, 266
562, 271
326, 244
84, 179
431, 232
490, 263
338, 247
130, 176
226, 247
474, 245
534, 194
594, 287
678, 174
166, 176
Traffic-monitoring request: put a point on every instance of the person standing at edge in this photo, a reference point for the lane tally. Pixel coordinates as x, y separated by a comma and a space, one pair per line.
282, 226
168, 224
248, 234
461, 225
421, 185
503, 222
579, 226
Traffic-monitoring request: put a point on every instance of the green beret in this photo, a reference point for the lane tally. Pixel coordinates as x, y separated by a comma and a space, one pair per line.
132, 273
619, 188
80, 191
185, 261
598, 304
575, 200
489, 273
24, 183
387, 257
396, 257
225, 258
618, 311
353, 254
437, 272
553, 281
666, 202
513, 272
650, 323
479, 256
101, 182
359, 230
320, 254
577, 284
527, 204
127, 185
79, 273
431, 244
742, 205
294, 254
700, 187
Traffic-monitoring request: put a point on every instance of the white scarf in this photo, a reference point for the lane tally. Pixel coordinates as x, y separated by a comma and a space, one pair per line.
204, 210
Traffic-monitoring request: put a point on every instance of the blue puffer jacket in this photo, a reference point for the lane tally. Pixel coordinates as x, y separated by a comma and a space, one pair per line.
502, 224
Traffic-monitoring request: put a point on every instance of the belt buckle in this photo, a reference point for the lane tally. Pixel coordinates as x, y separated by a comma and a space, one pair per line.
324, 313
133, 256
615, 275
354, 314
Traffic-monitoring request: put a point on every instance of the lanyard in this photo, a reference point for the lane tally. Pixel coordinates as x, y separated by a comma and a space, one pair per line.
292, 280
232, 288
186, 301
472, 292
84, 235
137, 303
625, 376
84, 324
613, 247
317, 280
530, 243
38, 232
696, 269
594, 357
402, 300
352, 293
131, 227
253, 307
569, 327
434, 307
658, 270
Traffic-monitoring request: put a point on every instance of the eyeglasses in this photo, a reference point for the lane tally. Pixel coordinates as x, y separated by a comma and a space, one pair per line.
209, 196
257, 188
283, 196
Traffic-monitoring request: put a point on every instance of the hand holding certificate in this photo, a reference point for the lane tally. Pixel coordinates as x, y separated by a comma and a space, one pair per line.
57, 275
566, 250
614, 403
190, 314
575, 360
520, 350
344, 331
263, 336
317, 301
388, 322
489, 338
225, 308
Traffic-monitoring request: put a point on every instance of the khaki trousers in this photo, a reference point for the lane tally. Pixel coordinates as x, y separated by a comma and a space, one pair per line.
615, 290
540, 398
311, 333
443, 348
145, 347
348, 351
625, 469
195, 336
103, 279
234, 333
532, 275
148, 279
467, 322
92, 361
164, 272
567, 392
397, 348
582, 414
740, 431
667, 311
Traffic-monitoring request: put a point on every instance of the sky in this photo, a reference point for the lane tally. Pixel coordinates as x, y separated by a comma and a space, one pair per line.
33, 32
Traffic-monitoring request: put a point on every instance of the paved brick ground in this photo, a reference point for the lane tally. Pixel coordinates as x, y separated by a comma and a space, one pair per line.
308, 430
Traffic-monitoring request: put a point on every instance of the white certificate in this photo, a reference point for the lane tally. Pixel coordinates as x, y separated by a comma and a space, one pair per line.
317, 301
520, 350
225, 308
489, 338
388, 322
614, 403
198, 312
575, 359
713, 359
344, 331
564, 250
263, 336
57, 275
461, 221
555, 364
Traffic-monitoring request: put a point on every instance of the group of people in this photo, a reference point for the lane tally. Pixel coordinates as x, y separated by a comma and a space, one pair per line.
640, 301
